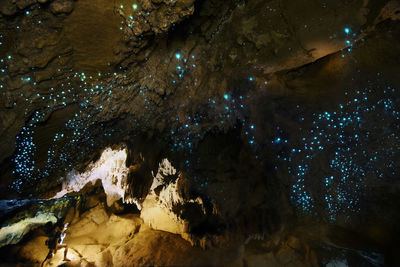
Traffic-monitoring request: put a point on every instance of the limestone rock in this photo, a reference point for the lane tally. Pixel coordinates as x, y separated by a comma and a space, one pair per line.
159, 209
222, 93
110, 169
13, 233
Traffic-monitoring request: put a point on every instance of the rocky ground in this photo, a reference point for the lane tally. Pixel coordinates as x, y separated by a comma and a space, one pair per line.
98, 237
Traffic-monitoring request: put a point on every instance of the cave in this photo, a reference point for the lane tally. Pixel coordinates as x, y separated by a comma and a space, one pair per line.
199, 133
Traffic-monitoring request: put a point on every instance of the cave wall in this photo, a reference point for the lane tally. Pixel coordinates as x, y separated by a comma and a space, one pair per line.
273, 111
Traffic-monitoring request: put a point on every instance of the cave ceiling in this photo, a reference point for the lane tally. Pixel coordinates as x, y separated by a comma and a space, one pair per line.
270, 110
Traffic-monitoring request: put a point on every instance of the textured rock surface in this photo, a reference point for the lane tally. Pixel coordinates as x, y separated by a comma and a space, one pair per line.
168, 200
60, 6
123, 240
273, 114
19, 218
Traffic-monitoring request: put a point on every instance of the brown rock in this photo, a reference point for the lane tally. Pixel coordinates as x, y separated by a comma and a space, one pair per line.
146, 5
22, 4
8, 8
7, 118
313, 259
9, 100
61, 7
294, 243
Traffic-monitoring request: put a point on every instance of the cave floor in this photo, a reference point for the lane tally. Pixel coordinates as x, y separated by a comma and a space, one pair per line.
98, 237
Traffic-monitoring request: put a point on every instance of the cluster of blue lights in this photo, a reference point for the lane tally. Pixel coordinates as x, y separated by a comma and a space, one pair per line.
358, 141
184, 66
223, 113
24, 163
74, 136
350, 35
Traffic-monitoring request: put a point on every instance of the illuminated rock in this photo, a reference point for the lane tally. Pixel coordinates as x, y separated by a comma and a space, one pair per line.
291, 91
110, 169
14, 233
165, 194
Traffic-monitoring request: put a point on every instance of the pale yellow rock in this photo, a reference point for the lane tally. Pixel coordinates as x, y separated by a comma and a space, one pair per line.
161, 218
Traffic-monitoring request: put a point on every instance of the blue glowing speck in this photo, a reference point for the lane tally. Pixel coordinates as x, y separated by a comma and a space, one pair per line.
178, 56
277, 140
347, 30
226, 96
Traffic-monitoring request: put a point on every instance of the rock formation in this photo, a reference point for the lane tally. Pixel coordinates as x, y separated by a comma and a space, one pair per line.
183, 132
